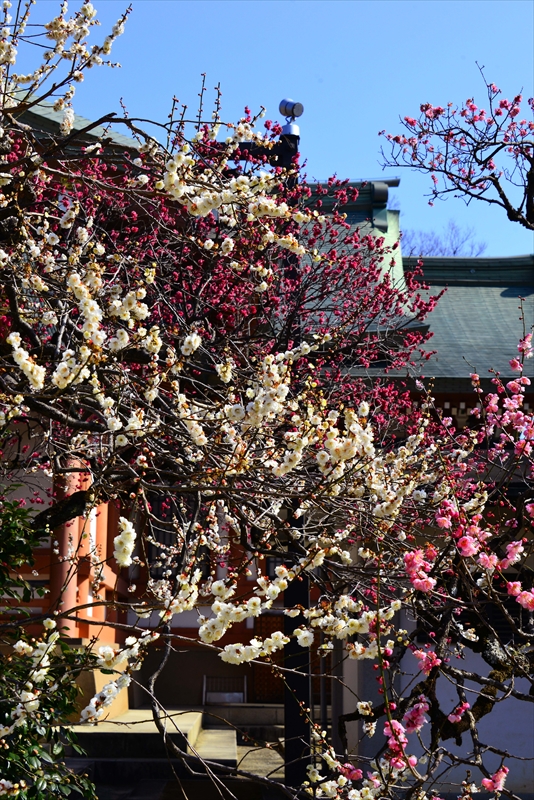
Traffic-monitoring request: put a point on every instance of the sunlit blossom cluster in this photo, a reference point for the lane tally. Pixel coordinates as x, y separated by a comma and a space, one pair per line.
98, 704
124, 543
39, 662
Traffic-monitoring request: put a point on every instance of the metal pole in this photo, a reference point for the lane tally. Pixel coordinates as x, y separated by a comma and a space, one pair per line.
323, 690
297, 699
337, 694
297, 693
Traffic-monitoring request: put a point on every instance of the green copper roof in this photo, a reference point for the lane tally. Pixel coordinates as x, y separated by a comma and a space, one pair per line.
480, 271
370, 205
476, 323
42, 118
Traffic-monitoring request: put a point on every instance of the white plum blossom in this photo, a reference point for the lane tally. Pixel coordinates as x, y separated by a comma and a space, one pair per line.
124, 543
96, 708
67, 122
23, 648
227, 246
35, 373
304, 637
191, 343
224, 371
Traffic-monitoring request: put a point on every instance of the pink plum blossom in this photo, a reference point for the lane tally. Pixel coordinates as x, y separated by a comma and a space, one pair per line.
526, 599
427, 660
513, 554
350, 772
425, 584
468, 546
488, 561
514, 386
496, 782
525, 346
511, 403
414, 719
395, 731
458, 712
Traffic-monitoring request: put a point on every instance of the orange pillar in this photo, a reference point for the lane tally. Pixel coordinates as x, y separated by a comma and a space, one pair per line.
99, 612
64, 563
63, 578
113, 615
84, 555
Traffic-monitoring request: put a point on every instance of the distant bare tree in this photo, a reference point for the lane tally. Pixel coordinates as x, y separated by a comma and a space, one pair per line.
454, 240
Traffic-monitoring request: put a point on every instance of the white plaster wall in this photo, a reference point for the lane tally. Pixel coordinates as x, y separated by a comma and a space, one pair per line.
509, 727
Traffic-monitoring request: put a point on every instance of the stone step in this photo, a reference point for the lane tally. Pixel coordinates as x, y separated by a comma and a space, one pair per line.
144, 778
194, 789
250, 734
243, 715
217, 745
208, 790
130, 749
134, 734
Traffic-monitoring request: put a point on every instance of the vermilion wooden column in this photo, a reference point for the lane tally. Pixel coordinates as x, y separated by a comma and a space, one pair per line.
63, 577
84, 554
112, 530
99, 612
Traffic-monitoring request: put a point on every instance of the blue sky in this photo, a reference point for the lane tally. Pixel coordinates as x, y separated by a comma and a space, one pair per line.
356, 65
